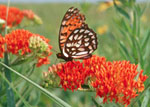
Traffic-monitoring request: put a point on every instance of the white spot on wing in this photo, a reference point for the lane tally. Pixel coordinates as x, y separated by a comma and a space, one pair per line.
75, 38
80, 37
67, 50
93, 37
90, 47
82, 53
81, 49
81, 30
94, 46
68, 44
64, 22
86, 44
91, 51
87, 39
73, 49
90, 33
79, 42
73, 53
87, 31
93, 41
77, 45
68, 17
70, 38
76, 31
65, 54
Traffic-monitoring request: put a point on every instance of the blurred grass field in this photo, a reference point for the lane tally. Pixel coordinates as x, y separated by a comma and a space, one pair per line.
51, 15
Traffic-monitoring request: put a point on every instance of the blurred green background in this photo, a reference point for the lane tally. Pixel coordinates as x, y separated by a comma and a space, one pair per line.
51, 15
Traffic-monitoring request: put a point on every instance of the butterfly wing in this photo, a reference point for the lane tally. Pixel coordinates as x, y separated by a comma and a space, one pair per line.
81, 43
72, 20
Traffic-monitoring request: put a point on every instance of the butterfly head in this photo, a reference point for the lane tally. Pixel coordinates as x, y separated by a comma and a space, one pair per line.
61, 56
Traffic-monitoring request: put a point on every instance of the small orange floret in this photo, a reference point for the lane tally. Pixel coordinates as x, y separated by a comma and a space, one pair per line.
29, 14
2, 42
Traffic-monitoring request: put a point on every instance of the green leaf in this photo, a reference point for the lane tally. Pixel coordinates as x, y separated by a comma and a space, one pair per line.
21, 98
9, 92
134, 23
145, 40
44, 91
126, 53
122, 11
140, 56
146, 98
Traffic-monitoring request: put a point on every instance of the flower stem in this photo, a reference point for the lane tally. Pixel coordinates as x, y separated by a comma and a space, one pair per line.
9, 91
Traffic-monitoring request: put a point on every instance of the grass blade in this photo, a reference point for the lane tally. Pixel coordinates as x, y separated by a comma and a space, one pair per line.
9, 92
126, 53
44, 91
146, 99
145, 40
21, 98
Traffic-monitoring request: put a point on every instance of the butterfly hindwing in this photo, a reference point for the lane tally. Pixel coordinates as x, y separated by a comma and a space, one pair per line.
72, 20
81, 43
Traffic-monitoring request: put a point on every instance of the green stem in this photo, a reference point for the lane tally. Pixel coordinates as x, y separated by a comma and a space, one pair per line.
9, 91
44, 91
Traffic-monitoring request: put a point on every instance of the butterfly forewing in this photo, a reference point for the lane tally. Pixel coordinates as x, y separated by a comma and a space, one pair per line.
72, 20
81, 43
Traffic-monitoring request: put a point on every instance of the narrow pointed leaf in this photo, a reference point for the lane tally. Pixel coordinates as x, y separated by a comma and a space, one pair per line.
21, 98
122, 11
146, 98
145, 40
44, 91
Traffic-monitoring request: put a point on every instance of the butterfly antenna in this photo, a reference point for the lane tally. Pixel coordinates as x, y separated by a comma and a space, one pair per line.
54, 50
56, 60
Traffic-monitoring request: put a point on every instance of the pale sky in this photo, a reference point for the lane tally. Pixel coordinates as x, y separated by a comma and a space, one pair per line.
58, 0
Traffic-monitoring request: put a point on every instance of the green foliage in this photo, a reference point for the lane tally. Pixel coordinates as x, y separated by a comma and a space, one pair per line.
131, 42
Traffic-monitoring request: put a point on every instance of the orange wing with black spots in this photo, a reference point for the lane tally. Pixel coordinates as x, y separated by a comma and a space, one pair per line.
72, 20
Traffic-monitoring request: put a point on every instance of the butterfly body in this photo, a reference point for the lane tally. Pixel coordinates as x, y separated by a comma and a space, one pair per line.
76, 39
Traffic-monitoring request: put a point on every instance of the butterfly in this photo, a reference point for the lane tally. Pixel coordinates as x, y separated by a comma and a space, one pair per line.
76, 39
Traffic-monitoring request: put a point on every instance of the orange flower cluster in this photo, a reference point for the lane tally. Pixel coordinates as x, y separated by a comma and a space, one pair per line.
18, 43
72, 75
2, 42
15, 15
115, 80
111, 80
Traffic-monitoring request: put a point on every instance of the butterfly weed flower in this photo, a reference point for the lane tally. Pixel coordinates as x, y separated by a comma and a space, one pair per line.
2, 42
51, 78
72, 75
28, 45
29, 14
18, 42
116, 81
38, 45
15, 15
